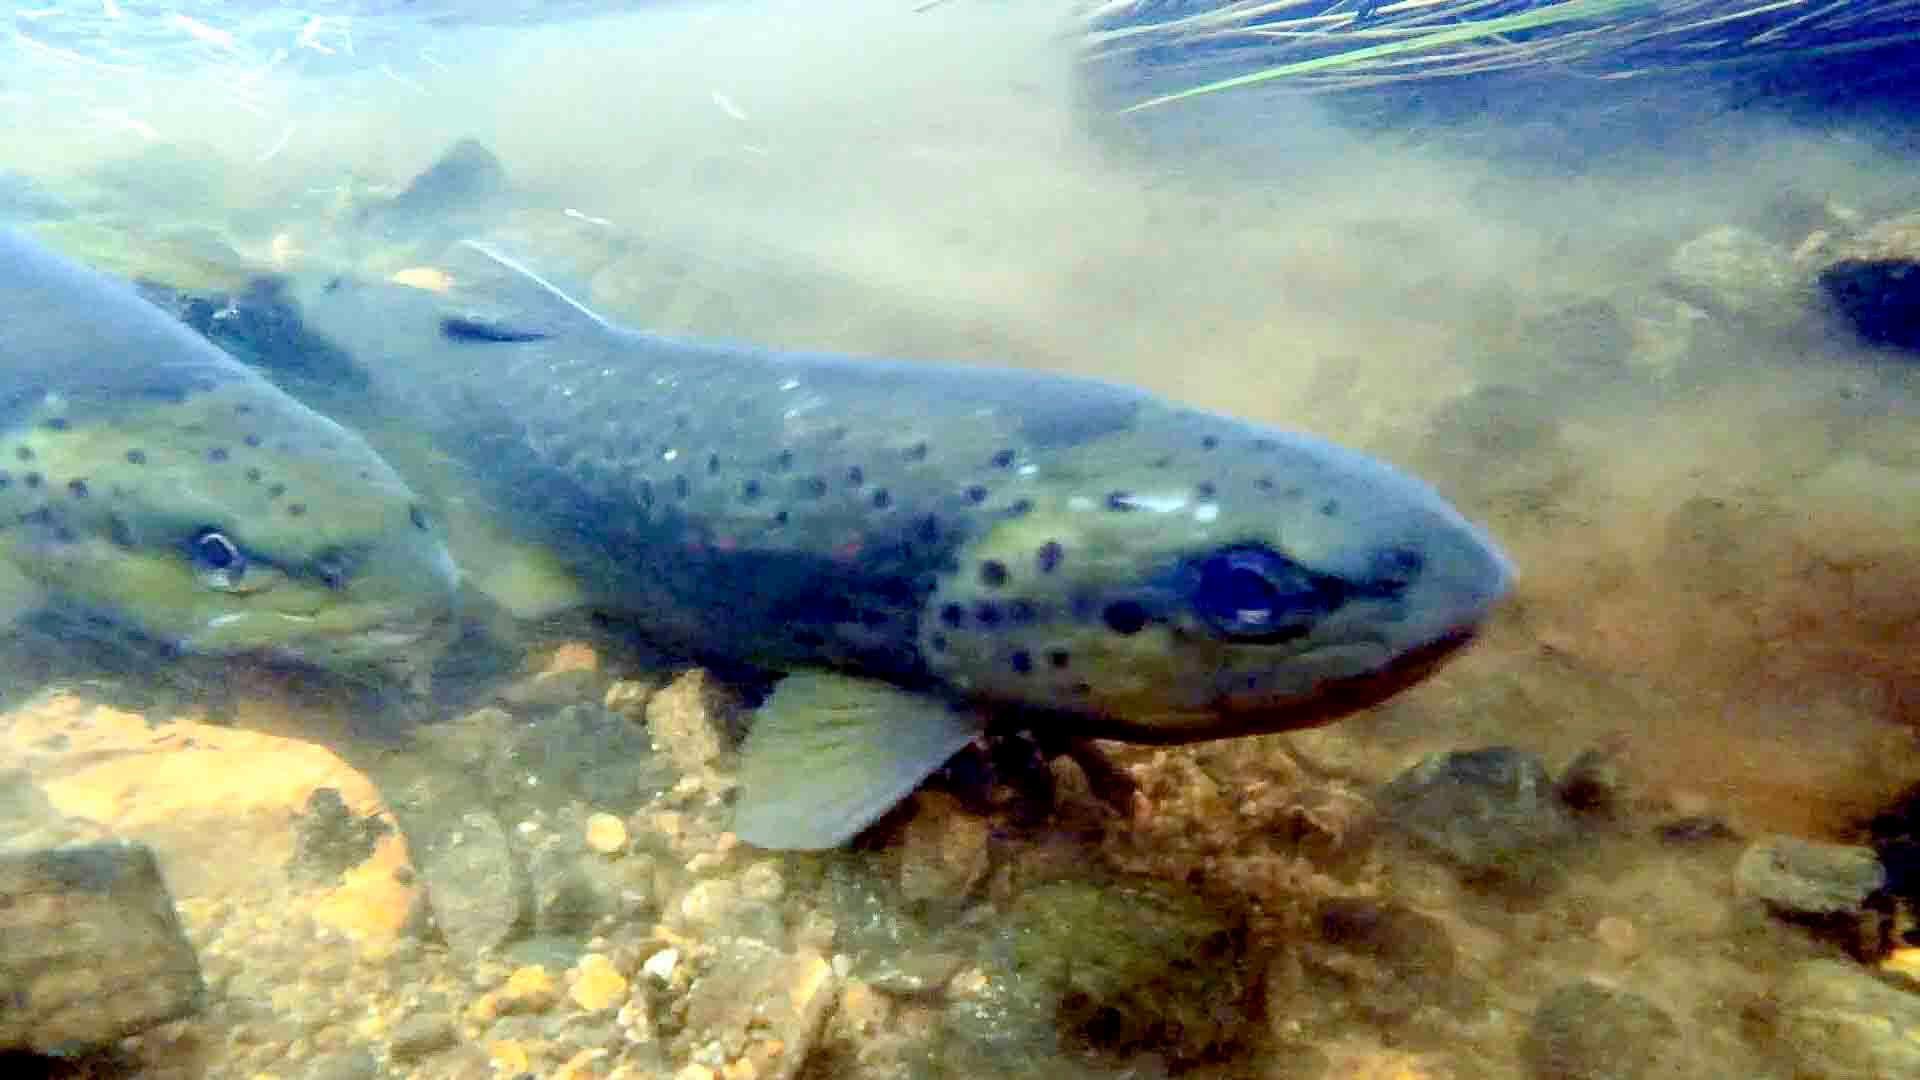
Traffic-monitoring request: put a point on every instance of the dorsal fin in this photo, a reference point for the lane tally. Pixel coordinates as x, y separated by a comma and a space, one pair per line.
537, 299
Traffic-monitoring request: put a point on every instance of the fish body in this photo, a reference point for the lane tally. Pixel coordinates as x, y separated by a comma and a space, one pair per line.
149, 480
1061, 547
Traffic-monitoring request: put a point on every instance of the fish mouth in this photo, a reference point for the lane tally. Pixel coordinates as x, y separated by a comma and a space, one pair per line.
1232, 715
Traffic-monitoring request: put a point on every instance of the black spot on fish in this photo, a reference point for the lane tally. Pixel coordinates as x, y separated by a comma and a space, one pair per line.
57, 423
6, 478
1049, 556
252, 440
987, 614
136, 457
1021, 612
713, 464
856, 476
917, 452
782, 518
24, 453
953, 615
1125, 617
976, 494
252, 475
928, 529
939, 642
681, 421
1210, 443
1020, 508
1120, 501
882, 499
77, 488
682, 487
119, 531
274, 491
481, 331
816, 486
418, 517
218, 453
1160, 462
1265, 444
1330, 508
32, 479
296, 509
1205, 491
1059, 658
784, 461
1022, 661
1003, 459
993, 573
365, 474
243, 408
1265, 483
749, 490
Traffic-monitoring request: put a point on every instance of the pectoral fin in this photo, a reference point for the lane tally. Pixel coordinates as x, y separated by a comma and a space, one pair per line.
829, 754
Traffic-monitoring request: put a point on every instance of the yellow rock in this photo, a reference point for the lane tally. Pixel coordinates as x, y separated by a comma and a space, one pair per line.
509, 1057
187, 789
432, 279
606, 834
529, 989
1903, 962
572, 656
597, 985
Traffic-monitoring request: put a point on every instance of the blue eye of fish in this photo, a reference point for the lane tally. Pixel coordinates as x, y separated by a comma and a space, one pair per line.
1251, 593
212, 550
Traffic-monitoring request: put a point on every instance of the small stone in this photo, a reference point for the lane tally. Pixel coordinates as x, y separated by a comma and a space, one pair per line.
1830, 888
553, 689
474, 883
529, 989
1493, 813
597, 985
629, 698
509, 1057
606, 834
1739, 275
1587, 1031
662, 964
708, 904
943, 852
420, 1035
428, 278
695, 1071
689, 722
1618, 936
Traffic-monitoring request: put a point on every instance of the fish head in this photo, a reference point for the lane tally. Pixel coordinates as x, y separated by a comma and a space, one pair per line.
1193, 577
222, 517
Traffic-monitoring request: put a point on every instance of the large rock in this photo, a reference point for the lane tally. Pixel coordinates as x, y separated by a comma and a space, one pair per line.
91, 948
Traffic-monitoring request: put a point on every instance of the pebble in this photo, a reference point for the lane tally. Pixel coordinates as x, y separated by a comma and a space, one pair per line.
1588, 1031
1834, 890
661, 964
943, 851
420, 1035
606, 834
597, 985
529, 989
1493, 813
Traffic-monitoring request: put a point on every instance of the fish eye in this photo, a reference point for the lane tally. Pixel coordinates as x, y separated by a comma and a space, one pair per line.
213, 551
1254, 594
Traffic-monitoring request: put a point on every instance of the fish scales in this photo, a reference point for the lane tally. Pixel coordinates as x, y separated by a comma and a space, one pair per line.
1124, 564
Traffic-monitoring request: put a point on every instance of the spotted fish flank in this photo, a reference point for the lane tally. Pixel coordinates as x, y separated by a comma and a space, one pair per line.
1065, 548
151, 480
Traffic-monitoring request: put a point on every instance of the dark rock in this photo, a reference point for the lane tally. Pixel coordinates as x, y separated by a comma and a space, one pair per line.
1880, 298
91, 948
475, 886
1586, 1031
1841, 1023
1116, 968
421, 1035
466, 180
1694, 829
1592, 783
1384, 962
1493, 814
1834, 889
329, 840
